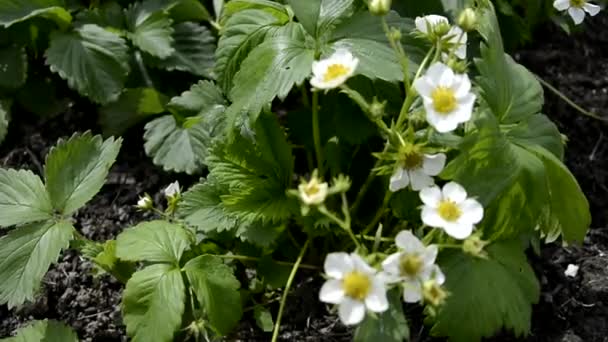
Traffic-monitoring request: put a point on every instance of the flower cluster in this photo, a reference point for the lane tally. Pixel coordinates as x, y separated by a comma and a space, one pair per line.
577, 8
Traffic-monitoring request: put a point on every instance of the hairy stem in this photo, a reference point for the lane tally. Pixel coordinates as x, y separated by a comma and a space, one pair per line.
316, 132
569, 101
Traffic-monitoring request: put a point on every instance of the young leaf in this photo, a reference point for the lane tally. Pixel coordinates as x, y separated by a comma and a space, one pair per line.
216, 289
13, 67
263, 318
76, 169
202, 207
155, 241
44, 331
475, 308
94, 61
389, 326
153, 303
133, 106
5, 107
319, 16
23, 198
26, 254
106, 260
194, 50
150, 29
14, 11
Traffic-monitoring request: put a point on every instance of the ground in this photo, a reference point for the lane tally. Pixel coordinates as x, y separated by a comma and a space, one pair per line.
570, 309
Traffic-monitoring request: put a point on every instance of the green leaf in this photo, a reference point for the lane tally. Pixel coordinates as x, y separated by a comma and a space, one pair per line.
413, 9
271, 70
487, 295
155, 241
14, 11
263, 318
44, 331
190, 10
107, 261
107, 15
23, 198
194, 50
319, 16
216, 289
76, 169
25, 256
234, 7
260, 233
13, 67
5, 107
241, 33
389, 326
203, 97
153, 303
150, 29
49, 101
132, 107
94, 61
538, 130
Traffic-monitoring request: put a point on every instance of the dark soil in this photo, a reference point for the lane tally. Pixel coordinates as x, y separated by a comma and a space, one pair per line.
570, 309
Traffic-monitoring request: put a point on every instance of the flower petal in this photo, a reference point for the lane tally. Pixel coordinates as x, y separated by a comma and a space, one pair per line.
561, 5
454, 192
424, 87
399, 180
338, 264
430, 255
361, 265
591, 9
376, 300
420, 180
465, 108
431, 196
431, 20
332, 292
390, 265
408, 242
435, 72
472, 211
433, 164
577, 14
438, 275
458, 230
412, 292
351, 311
441, 123
461, 86
431, 217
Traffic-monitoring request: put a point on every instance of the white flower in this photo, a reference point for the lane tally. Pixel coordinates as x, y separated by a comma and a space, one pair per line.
173, 189
577, 8
571, 271
333, 71
354, 286
456, 37
417, 169
313, 192
412, 266
144, 202
451, 210
447, 97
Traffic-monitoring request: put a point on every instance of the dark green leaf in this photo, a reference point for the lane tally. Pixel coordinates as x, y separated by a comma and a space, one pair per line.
216, 289
76, 169
153, 303
13, 67
150, 29
107, 261
190, 10
487, 295
26, 254
14, 11
538, 130
389, 326
107, 15
44, 331
133, 106
155, 241
23, 198
319, 16
93, 61
233, 7
49, 100
263, 318
260, 233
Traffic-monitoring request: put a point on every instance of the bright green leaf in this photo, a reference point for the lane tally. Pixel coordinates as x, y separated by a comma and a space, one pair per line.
216, 289
153, 303
44, 331
319, 16
133, 106
106, 260
14, 11
94, 61
234, 7
487, 295
25, 256
150, 29
389, 326
13, 67
263, 318
23, 198
155, 241
76, 169
203, 97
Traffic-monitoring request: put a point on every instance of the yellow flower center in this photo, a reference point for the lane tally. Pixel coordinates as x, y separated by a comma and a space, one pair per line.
334, 71
356, 285
412, 161
410, 265
449, 211
312, 188
444, 100
578, 3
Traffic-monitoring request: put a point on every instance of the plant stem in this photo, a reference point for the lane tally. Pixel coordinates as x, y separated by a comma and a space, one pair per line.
411, 93
379, 213
292, 275
344, 224
569, 101
250, 258
403, 60
316, 132
143, 70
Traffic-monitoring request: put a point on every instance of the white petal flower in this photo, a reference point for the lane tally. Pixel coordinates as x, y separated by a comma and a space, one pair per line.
451, 210
458, 38
314, 192
333, 71
144, 202
173, 189
354, 286
571, 271
418, 170
430, 21
577, 8
447, 97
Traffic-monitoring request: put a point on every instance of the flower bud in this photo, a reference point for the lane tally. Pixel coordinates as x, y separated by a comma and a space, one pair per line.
379, 7
433, 293
377, 108
441, 29
314, 191
467, 20
145, 202
474, 245
173, 190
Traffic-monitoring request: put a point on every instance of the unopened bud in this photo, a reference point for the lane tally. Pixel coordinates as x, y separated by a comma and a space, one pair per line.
145, 202
379, 7
377, 108
467, 20
433, 293
458, 66
474, 245
441, 29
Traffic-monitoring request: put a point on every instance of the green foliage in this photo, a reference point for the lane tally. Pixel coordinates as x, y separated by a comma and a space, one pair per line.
487, 294
216, 290
106, 260
44, 331
202, 208
26, 255
76, 169
319, 16
13, 67
23, 198
389, 326
5, 107
93, 60
14, 11
133, 106
263, 318
150, 29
